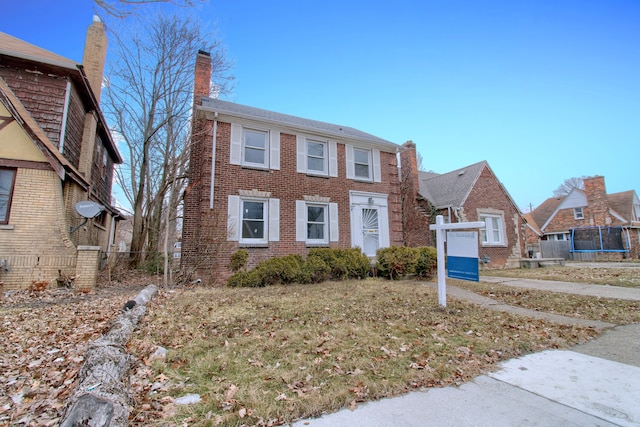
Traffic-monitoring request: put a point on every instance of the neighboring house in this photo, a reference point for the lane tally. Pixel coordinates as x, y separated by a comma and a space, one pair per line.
591, 221
472, 193
276, 184
55, 151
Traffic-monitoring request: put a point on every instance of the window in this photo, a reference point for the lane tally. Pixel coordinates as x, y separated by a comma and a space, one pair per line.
492, 233
362, 163
577, 213
316, 221
253, 220
7, 179
316, 157
317, 224
257, 148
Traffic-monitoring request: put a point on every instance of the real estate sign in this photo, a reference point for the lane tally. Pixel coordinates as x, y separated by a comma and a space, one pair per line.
462, 255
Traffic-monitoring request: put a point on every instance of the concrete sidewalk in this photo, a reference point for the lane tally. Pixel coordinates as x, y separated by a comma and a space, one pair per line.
594, 384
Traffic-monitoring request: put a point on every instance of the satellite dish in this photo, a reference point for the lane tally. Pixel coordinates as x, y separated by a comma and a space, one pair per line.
89, 209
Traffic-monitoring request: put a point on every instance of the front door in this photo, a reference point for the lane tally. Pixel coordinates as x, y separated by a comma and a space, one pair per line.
370, 231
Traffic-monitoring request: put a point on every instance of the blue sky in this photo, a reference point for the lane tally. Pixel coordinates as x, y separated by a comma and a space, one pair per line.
543, 90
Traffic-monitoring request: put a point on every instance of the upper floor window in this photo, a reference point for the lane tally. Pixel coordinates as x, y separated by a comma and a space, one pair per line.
577, 213
493, 231
363, 164
7, 180
252, 147
316, 157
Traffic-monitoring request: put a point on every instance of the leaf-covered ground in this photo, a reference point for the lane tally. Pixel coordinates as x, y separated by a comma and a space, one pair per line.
44, 335
268, 356
265, 356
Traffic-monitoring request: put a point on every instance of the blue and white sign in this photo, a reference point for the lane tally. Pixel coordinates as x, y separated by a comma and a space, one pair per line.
462, 255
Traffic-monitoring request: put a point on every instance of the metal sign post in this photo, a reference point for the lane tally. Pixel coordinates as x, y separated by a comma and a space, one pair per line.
441, 232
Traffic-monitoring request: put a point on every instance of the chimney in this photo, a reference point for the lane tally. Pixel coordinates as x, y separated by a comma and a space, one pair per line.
409, 167
95, 53
202, 83
597, 201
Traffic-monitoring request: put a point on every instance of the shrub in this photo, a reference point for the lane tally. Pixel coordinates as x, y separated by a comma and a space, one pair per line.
396, 262
314, 270
246, 279
427, 262
357, 263
239, 260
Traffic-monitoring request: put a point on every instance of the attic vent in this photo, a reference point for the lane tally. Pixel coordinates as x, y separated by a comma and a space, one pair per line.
461, 173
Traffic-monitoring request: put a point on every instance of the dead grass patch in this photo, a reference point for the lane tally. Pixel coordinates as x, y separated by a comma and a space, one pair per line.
610, 310
268, 356
621, 276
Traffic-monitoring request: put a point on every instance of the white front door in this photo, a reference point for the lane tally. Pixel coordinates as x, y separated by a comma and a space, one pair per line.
369, 221
370, 230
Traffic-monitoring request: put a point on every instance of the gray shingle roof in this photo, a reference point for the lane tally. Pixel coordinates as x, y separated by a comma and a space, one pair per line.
451, 188
243, 111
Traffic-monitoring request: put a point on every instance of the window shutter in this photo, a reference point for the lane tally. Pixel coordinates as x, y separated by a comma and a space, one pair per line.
301, 221
233, 219
274, 220
301, 148
333, 158
377, 175
333, 222
351, 169
235, 149
274, 146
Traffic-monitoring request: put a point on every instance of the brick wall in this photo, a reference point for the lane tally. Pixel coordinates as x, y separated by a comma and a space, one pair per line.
415, 212
203, 224
36, 243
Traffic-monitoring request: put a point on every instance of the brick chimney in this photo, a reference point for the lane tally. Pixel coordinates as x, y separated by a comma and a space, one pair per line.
202, 84
597, 201
409, 166
95, 54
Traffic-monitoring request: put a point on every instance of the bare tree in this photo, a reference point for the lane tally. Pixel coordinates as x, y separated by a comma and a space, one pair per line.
568, 185
124, 8
148, 103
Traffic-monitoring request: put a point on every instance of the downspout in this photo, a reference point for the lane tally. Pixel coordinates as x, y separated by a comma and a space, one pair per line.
455, 212
65, 112
213, 158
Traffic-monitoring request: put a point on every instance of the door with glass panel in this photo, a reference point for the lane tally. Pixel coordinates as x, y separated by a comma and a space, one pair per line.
370, 231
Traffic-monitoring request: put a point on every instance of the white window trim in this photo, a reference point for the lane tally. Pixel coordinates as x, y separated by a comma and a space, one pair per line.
271, 220
577, 215
331, 224
375, 174
489, 231
271, 149
331, 156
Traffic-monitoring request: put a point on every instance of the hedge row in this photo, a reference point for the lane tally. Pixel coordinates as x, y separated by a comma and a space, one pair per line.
397, 262
321, 264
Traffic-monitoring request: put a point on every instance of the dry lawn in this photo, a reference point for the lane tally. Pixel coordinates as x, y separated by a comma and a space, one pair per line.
628, 276
268, 356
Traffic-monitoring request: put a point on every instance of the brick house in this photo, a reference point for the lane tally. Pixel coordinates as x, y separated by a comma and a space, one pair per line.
472, 193
277, 184
577, 218
55, 151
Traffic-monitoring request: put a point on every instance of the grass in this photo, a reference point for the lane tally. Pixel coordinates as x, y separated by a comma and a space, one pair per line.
268, 356
586, 307
619, 276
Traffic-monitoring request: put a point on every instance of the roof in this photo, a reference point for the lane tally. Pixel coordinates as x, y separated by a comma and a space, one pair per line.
15, 47
542, 213
622, 203
452, 188
285, 120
